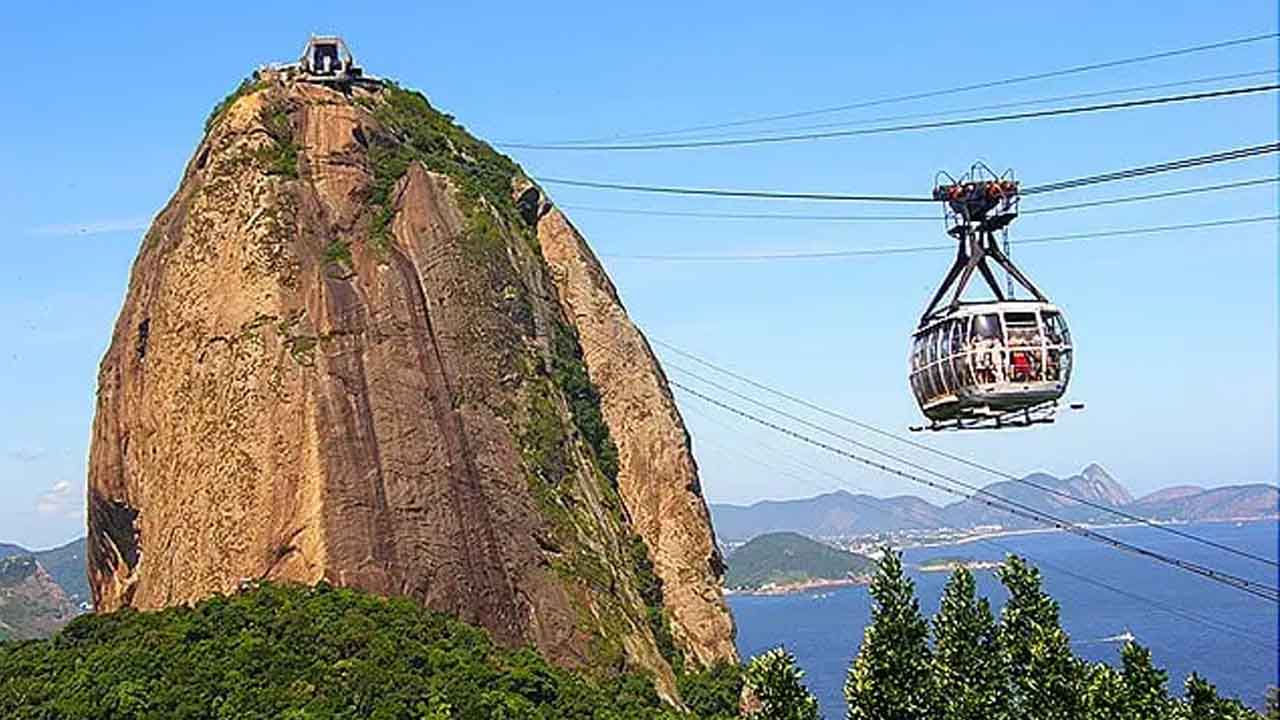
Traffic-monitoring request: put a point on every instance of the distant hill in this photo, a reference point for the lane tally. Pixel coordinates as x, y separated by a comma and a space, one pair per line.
829, 515
65, 564
843, 514
1224, 503
1169, 493
31, 603
785, 557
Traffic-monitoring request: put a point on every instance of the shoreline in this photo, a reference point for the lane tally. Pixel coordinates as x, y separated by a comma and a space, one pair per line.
800, 587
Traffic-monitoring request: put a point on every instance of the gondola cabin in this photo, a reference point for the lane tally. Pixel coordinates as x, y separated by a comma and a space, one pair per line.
988, 361
995, 363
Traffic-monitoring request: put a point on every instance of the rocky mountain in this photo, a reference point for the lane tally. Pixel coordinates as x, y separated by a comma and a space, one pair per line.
65, 565
843, 514
360, 346
789, 558
1092, 484
32, 605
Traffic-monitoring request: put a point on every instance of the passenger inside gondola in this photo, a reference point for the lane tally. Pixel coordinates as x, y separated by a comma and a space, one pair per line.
986, 340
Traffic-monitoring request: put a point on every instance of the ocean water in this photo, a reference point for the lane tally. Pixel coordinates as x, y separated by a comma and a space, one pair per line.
824, 629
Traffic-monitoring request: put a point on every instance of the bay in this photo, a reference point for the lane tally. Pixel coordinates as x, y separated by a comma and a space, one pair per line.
1188, 622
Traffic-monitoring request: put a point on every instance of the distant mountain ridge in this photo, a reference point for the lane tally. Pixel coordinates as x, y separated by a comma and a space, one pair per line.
842, 513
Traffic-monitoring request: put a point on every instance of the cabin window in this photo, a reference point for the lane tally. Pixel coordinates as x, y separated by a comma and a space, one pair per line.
1022, 329
931, 347
1055, 329
986, 330
957, 335
935, 376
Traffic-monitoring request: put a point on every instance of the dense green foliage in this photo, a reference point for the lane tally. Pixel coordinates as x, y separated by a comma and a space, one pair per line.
785, 557
570, 374
713, 693
290, 652
1019, 666
280, 155
891, 677
966, 661
775, 689
422, 133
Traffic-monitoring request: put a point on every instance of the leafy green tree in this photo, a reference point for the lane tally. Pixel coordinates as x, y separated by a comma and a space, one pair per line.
713, 693
1104, 695
1201, 702
966, 659
891, 678
1045, 680
1145, 686
775, 691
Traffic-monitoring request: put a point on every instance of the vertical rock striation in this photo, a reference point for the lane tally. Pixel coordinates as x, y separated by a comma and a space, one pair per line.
343, 357
657, 475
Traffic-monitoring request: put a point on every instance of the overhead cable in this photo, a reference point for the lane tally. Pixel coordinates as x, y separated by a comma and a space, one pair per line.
910, 218
908, 127
1231, 155
1111, 510
997, 502
1002, 82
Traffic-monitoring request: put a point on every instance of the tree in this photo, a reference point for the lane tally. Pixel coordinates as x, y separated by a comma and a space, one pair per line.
1145, 686
966, 659
891, 677
1045, 680
774, 690
1272, 709
1201, 702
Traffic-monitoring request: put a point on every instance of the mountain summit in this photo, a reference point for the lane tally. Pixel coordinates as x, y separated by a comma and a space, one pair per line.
359, 346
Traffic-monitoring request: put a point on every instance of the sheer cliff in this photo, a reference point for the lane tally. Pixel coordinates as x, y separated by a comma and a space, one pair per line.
359, 346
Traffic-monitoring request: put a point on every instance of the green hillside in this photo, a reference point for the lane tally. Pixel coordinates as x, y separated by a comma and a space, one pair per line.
294, 652
784, 557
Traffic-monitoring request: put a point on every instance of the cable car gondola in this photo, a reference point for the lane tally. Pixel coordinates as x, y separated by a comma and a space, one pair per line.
996, 363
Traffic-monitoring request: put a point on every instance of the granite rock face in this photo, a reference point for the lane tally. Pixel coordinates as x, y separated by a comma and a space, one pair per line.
343, 357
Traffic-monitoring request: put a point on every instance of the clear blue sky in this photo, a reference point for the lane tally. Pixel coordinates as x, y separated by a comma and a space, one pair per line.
1176, 333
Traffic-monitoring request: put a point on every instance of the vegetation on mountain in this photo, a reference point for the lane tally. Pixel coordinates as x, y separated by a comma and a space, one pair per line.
783, 558
286, 651
978, 667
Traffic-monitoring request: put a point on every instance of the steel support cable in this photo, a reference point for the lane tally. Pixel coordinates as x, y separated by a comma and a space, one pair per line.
947, 91
999, 106
910, 127
1141, 171
911, 250
739, 453
1171, 165
963, 460
917, 218
976, 494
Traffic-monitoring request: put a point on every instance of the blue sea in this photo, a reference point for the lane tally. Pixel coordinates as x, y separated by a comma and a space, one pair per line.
824, 629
